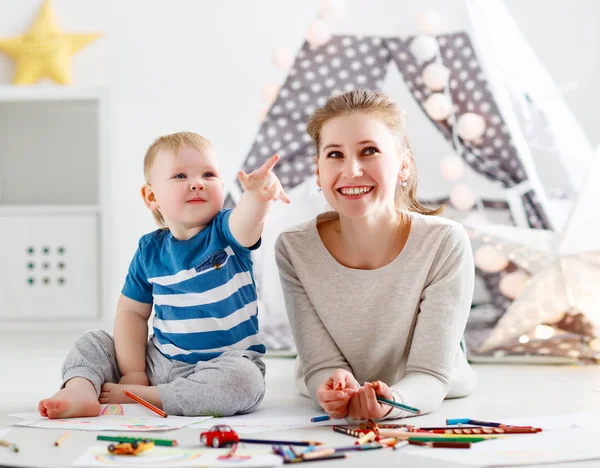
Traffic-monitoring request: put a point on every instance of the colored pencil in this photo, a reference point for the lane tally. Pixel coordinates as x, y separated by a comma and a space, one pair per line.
320, 418
61, 439
143, 402
348, 431
5, 443
489, 430
318, 453
352, 448
326, 457
439, 428
164, 442
463, 445
410, 409
304, 443
453, 422
400, 444
456, 438
368, 437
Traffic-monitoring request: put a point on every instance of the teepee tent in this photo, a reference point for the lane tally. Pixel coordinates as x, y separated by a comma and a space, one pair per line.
502, 153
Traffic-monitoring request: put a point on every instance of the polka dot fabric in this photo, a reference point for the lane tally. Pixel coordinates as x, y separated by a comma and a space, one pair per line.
343, 64
494, 154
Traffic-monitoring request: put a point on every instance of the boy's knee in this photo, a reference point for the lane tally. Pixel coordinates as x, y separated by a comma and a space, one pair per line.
95, 338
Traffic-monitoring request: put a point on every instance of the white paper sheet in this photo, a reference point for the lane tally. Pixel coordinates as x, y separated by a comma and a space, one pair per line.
272, 419
176, 457
552, 446
132, 417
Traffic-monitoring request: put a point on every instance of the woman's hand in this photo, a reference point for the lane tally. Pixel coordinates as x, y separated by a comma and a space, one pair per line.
364, 404
335, 393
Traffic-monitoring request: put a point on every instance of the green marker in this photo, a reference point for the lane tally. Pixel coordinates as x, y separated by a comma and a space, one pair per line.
165, 442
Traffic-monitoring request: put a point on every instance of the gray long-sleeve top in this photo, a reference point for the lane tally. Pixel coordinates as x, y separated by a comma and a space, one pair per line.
401, 323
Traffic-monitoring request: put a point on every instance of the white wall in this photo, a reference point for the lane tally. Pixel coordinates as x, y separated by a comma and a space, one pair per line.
200, 65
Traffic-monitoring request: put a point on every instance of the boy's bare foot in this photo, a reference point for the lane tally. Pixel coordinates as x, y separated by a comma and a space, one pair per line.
76, 400
112, 393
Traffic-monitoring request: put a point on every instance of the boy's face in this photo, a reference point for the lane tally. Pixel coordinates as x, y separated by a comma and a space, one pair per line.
187, 188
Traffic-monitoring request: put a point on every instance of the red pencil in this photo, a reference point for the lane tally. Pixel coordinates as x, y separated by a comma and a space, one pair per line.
143, 402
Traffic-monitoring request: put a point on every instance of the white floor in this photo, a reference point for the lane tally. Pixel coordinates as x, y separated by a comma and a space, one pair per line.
30, 370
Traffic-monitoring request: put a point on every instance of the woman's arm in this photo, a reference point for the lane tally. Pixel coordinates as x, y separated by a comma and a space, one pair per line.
443, 313
318, 353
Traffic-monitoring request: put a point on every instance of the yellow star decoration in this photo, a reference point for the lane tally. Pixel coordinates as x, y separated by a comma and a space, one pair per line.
44, 51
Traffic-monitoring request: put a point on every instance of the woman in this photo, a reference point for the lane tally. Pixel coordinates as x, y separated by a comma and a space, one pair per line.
378, 289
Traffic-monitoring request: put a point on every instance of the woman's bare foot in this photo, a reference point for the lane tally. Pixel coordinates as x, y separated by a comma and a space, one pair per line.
76, 400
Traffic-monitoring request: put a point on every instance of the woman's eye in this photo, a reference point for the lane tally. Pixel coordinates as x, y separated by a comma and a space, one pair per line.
370, 150
335, 154
179, 176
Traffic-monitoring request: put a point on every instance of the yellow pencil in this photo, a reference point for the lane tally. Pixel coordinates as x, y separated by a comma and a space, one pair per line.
61, 439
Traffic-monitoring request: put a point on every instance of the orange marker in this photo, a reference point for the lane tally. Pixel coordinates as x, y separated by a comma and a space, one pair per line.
143, 402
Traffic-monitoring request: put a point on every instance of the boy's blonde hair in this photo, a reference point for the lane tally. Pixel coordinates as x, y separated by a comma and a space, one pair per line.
174, 142
382, 106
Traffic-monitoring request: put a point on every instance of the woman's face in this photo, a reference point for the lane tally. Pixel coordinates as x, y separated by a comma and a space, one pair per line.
359, 164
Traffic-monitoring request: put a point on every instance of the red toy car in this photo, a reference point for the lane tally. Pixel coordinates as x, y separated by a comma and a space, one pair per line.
219, 436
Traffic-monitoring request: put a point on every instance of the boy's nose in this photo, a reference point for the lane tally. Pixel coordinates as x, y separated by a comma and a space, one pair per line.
197, 186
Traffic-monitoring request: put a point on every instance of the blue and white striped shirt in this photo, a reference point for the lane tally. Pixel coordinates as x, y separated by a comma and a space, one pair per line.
203, 292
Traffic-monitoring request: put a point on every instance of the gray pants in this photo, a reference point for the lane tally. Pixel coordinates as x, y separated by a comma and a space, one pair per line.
229, 384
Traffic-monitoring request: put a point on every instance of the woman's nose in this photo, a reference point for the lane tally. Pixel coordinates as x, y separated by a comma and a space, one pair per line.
352, 168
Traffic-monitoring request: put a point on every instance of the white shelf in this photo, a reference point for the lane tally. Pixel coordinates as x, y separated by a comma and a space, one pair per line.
54, 235
49, 93
48, 209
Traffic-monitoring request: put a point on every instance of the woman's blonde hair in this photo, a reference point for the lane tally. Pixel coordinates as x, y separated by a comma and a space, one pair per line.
382, 106
174, 142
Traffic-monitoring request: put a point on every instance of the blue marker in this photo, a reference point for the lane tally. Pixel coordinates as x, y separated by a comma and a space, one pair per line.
320, 418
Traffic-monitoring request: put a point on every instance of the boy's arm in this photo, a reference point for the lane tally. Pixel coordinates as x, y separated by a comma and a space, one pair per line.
260, 188
131, 337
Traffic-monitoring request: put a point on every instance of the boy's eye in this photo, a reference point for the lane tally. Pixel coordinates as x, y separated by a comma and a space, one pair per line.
179, 176
209, 174
370, 150
335, 154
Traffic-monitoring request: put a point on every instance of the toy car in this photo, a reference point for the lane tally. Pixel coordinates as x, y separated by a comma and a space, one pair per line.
130, 448
219, 436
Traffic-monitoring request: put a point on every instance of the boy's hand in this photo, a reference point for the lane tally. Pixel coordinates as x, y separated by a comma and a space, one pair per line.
335, 393
364, 404
135, 378
263, 183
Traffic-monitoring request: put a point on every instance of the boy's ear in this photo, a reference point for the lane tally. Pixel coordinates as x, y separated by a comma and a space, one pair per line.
148, 196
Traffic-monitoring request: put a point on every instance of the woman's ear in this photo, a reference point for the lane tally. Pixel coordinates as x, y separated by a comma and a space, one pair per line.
404, 172
318, 178
149, 197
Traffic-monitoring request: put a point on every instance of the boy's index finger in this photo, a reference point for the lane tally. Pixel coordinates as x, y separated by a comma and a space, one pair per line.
268, 164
